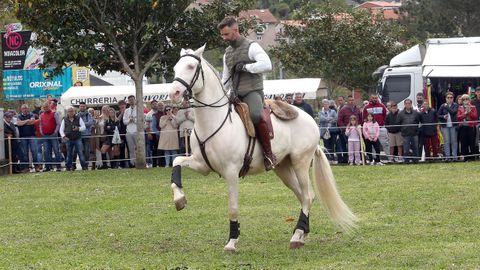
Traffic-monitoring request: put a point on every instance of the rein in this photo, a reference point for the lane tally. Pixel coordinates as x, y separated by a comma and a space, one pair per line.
188, 94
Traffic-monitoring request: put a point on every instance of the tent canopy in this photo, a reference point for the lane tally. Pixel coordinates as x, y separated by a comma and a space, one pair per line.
110, 95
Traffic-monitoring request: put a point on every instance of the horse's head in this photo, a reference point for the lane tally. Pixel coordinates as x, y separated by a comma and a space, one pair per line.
189, 78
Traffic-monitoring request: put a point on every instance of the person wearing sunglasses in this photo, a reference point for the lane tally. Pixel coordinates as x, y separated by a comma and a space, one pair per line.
468, 118
447, 116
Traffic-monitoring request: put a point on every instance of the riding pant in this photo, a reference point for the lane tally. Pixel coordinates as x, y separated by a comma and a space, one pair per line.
254, 99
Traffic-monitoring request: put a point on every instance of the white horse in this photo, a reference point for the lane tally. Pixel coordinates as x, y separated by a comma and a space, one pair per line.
224, 139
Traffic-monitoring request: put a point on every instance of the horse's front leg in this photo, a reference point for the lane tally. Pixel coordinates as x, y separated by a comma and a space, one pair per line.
176, 181
232, 181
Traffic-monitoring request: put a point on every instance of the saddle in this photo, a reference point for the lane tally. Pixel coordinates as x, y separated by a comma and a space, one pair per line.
280, 109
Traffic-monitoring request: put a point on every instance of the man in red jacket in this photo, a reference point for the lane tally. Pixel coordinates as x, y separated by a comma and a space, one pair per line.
49, 126
379, 112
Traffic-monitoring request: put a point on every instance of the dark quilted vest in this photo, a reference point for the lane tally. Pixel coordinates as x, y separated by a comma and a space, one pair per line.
69, 133
239, 53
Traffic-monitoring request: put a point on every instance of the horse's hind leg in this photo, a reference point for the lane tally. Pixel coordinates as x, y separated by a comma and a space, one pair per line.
287, 173
176, 181
284, 171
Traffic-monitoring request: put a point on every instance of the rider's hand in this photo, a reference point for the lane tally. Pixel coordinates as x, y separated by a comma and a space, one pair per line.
240, 67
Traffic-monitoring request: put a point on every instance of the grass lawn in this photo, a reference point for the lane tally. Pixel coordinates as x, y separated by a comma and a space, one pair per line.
424, 216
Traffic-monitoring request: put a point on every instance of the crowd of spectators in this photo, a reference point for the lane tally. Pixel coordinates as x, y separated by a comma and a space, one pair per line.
41, 140
44, 140
416, 133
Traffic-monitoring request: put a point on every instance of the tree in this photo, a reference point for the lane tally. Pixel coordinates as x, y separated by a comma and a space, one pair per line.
136, 37
343, 46
441, 18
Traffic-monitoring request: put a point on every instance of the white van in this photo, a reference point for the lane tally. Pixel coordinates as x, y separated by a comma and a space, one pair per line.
446, 64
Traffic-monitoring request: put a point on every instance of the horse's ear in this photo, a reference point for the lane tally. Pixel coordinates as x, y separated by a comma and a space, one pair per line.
200, 50
182, 52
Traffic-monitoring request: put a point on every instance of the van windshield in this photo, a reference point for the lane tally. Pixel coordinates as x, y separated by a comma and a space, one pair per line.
396, 88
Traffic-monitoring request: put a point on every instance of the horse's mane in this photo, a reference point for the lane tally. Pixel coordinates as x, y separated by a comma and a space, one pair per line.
213, 68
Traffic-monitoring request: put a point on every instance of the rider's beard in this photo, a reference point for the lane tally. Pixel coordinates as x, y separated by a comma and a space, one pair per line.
232, 43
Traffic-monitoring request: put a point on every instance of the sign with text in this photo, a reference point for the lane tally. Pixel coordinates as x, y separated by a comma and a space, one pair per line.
35, 84
17, 52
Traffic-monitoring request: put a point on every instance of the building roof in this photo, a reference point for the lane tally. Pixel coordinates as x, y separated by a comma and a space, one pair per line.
264, 15
379, 4
296, 23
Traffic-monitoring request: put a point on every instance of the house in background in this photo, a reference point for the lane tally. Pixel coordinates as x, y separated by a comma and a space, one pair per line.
265, 32
388, 10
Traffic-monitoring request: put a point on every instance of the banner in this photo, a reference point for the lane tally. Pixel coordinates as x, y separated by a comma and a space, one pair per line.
35, 84
17, 52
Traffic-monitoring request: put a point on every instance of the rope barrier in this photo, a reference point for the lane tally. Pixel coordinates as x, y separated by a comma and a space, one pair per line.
417, 158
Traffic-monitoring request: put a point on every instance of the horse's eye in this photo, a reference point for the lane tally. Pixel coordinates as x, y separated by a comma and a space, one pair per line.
191, 66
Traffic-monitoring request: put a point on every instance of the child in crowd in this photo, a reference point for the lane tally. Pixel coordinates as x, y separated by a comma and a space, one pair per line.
354, 134
371, 130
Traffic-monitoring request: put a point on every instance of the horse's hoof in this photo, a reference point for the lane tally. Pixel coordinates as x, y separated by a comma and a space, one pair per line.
230, 247
298, 239
296, 245
180, 203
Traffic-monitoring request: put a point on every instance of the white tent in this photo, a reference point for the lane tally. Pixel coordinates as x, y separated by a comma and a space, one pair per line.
109, 95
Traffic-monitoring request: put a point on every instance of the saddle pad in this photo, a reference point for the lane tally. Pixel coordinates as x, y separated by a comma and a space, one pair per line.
282, 110
242, 110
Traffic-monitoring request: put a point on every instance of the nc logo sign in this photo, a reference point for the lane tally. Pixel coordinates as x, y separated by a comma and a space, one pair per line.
14, 41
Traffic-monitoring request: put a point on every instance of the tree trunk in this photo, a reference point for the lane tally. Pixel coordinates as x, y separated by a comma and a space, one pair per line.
140, 139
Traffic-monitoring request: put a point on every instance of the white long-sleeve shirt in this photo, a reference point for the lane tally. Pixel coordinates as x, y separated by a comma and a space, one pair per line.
131, 126
261, 63
62, 127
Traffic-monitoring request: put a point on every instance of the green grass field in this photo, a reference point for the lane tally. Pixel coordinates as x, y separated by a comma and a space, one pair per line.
423, 216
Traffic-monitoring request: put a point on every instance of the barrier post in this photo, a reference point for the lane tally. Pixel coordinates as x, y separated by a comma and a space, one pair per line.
10, 170
2, 138
185, 133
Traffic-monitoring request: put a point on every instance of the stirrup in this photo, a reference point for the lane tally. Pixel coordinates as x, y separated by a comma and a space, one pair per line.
272, 164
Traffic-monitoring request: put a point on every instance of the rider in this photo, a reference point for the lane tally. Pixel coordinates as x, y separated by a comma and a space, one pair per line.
243, 64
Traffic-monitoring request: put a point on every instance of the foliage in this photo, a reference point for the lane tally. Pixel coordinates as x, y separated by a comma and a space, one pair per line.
411, 217
136, 37
341, 45
441, 18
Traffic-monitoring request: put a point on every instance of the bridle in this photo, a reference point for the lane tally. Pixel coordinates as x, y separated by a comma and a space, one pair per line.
188, 94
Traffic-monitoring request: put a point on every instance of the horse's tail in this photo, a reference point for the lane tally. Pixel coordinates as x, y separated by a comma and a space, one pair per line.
338, 211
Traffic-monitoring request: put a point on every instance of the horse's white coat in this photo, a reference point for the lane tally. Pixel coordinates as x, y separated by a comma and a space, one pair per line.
295, 145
